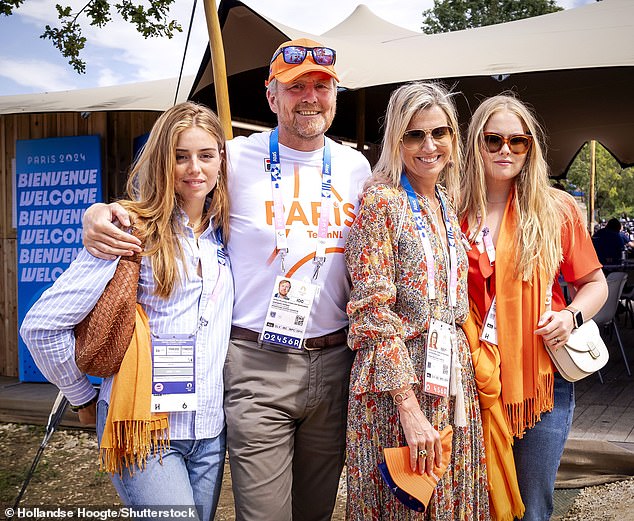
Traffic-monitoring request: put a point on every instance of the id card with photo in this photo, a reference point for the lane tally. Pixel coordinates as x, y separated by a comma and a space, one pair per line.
287, 315
438, 358
173, 373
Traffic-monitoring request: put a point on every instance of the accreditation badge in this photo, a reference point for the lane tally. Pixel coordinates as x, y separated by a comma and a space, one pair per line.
287, 315
438, 358
173, 373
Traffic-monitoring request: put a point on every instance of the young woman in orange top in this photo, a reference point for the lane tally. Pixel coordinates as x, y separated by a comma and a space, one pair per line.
524, 235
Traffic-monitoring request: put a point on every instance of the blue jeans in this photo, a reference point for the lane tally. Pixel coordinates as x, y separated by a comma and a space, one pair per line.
190, 474
538, 453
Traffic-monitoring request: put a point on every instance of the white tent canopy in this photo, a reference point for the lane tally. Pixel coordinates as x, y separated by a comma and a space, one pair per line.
372, 51
575, 66
151, 95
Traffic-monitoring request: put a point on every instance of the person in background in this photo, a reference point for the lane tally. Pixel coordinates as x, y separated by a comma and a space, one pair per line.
610, 242
179, 207
523, 233
285, 406
408, 302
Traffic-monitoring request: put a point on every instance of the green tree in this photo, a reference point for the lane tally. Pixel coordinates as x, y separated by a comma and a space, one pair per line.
150, 21
455, 15
614, 186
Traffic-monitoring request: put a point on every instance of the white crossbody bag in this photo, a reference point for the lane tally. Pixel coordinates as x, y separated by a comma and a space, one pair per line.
584, 353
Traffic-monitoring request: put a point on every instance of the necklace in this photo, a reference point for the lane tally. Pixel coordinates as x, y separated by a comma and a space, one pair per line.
496, 202
434, 210
428, 200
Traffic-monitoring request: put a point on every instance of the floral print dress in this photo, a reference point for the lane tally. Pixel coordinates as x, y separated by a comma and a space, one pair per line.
389, 315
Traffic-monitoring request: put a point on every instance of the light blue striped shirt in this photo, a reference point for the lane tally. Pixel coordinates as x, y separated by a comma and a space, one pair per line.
47, 328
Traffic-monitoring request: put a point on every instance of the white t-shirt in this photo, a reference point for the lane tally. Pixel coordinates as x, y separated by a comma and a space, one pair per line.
252, 242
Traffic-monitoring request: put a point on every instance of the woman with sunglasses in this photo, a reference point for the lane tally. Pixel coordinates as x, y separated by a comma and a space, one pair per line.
524, 234
412, 376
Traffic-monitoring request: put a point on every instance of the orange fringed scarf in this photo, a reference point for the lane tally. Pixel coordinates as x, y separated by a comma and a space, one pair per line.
526, 369
504, 493
132, 431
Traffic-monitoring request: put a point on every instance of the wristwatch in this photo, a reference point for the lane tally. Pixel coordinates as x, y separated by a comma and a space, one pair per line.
577, 317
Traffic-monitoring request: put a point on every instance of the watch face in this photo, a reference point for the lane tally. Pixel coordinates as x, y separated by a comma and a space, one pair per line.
578, 319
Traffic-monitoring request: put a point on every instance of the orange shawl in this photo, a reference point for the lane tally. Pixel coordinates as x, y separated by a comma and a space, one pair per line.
526, 369
506, 502
131, 430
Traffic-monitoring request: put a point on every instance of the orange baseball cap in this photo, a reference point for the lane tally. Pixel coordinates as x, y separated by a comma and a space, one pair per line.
287, 72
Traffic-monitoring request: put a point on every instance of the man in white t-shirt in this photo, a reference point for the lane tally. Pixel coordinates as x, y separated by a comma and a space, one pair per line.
285, 406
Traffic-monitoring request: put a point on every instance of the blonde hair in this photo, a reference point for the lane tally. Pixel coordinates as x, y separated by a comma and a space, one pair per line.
405, 102
154, 202
539, 207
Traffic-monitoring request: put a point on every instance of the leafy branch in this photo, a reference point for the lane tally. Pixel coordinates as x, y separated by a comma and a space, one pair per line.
456, 15
151, 21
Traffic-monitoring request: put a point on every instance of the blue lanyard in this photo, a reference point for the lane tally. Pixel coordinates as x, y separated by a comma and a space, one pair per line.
429, 256
220, 251
281, 241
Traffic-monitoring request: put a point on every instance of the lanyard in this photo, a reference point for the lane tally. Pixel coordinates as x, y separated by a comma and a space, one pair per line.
281, 240
222, 262
488, 244
484, 235
429, 256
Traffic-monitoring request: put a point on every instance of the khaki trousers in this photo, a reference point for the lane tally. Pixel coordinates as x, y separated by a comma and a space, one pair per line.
286, 425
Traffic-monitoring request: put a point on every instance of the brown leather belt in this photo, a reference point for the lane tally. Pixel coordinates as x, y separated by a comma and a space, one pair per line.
321, 342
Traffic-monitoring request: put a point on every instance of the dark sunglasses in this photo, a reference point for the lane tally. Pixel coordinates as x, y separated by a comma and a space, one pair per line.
296, 54
518, 144
414, 139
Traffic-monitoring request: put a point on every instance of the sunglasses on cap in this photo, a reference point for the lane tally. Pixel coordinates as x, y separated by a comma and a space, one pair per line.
414, 139
296, 54
518, 143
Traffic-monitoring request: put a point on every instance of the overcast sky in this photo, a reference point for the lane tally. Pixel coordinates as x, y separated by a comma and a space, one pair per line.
118, 54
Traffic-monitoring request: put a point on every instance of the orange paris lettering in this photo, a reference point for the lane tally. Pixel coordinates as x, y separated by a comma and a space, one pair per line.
342, 214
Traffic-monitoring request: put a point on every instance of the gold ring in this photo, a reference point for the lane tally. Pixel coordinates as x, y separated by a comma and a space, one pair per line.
422, 453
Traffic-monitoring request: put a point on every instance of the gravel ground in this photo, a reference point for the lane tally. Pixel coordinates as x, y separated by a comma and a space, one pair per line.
68, 475
610, 502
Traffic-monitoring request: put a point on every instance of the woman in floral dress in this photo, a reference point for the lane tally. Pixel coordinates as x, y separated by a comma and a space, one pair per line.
409, 270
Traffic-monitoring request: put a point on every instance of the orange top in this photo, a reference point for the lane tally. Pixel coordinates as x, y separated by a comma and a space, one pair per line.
579, 259
526, 370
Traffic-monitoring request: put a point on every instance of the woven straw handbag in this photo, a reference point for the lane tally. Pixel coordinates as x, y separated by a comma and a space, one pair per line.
102, 338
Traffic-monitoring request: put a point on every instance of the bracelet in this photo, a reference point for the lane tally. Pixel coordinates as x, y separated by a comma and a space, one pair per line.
77, 408
399, 398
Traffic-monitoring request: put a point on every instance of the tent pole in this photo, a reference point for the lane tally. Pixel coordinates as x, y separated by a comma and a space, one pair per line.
593, 167
219, 67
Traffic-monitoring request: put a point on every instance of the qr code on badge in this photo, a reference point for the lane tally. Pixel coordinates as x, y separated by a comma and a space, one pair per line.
299, 320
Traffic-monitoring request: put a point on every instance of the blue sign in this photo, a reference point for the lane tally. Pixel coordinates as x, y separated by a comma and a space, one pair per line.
57, 179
